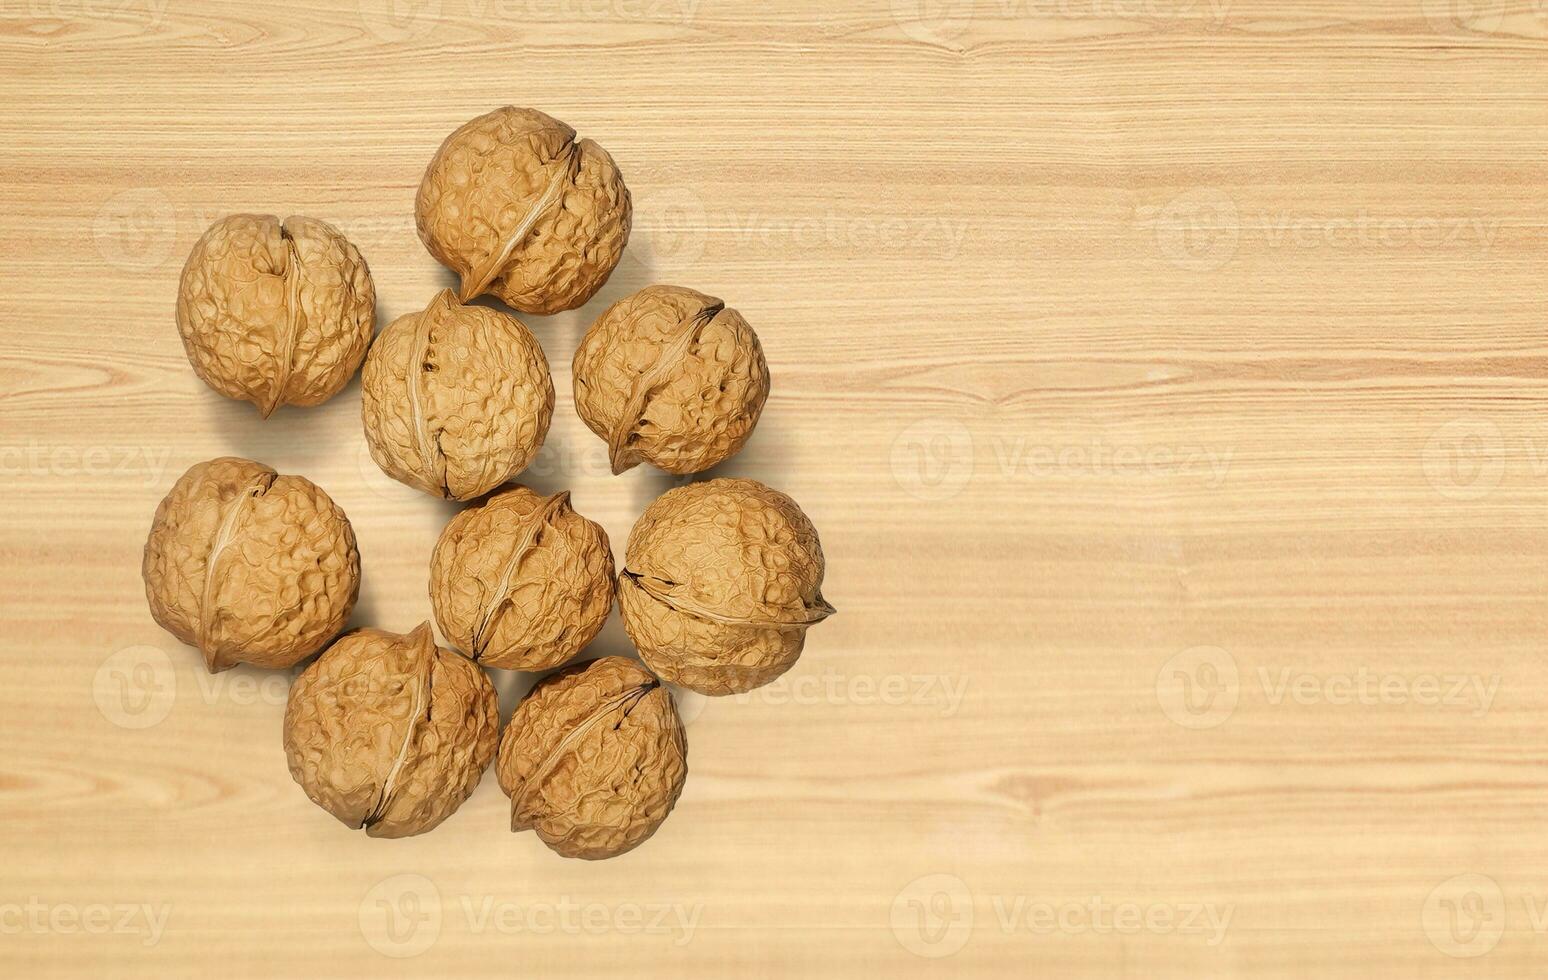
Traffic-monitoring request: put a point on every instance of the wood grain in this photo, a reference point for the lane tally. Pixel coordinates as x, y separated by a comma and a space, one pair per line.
1165, 377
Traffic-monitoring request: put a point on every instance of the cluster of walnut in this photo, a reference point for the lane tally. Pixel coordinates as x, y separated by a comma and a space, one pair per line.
391, 733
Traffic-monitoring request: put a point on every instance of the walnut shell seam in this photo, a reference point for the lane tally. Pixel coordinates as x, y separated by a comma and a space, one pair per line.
662, 592
430, 455
533, 784
424, 667
684, 337
501, 599
255, 487
478, 280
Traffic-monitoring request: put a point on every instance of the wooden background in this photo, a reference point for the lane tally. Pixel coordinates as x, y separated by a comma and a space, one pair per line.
1165, 377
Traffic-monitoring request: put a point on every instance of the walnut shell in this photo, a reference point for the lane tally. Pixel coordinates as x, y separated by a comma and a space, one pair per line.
522, 581
455, 399
390, 733
721, 580
670, 376
593, 758
517, 207
250, 566
275, 313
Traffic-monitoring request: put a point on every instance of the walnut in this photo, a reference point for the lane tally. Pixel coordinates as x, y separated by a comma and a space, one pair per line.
721, 580
593, 758
522, 581
250, 566
390, 733
456, 399
670, 376
517, 208
275, 313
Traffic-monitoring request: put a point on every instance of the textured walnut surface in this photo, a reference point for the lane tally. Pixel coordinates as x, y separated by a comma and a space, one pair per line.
721, 580
670, 376
275, 313
522, 581
250, 566
519, 208
593, 758
390, 733
455, 399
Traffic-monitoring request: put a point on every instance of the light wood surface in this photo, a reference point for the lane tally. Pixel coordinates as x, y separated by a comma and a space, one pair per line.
1165, 378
